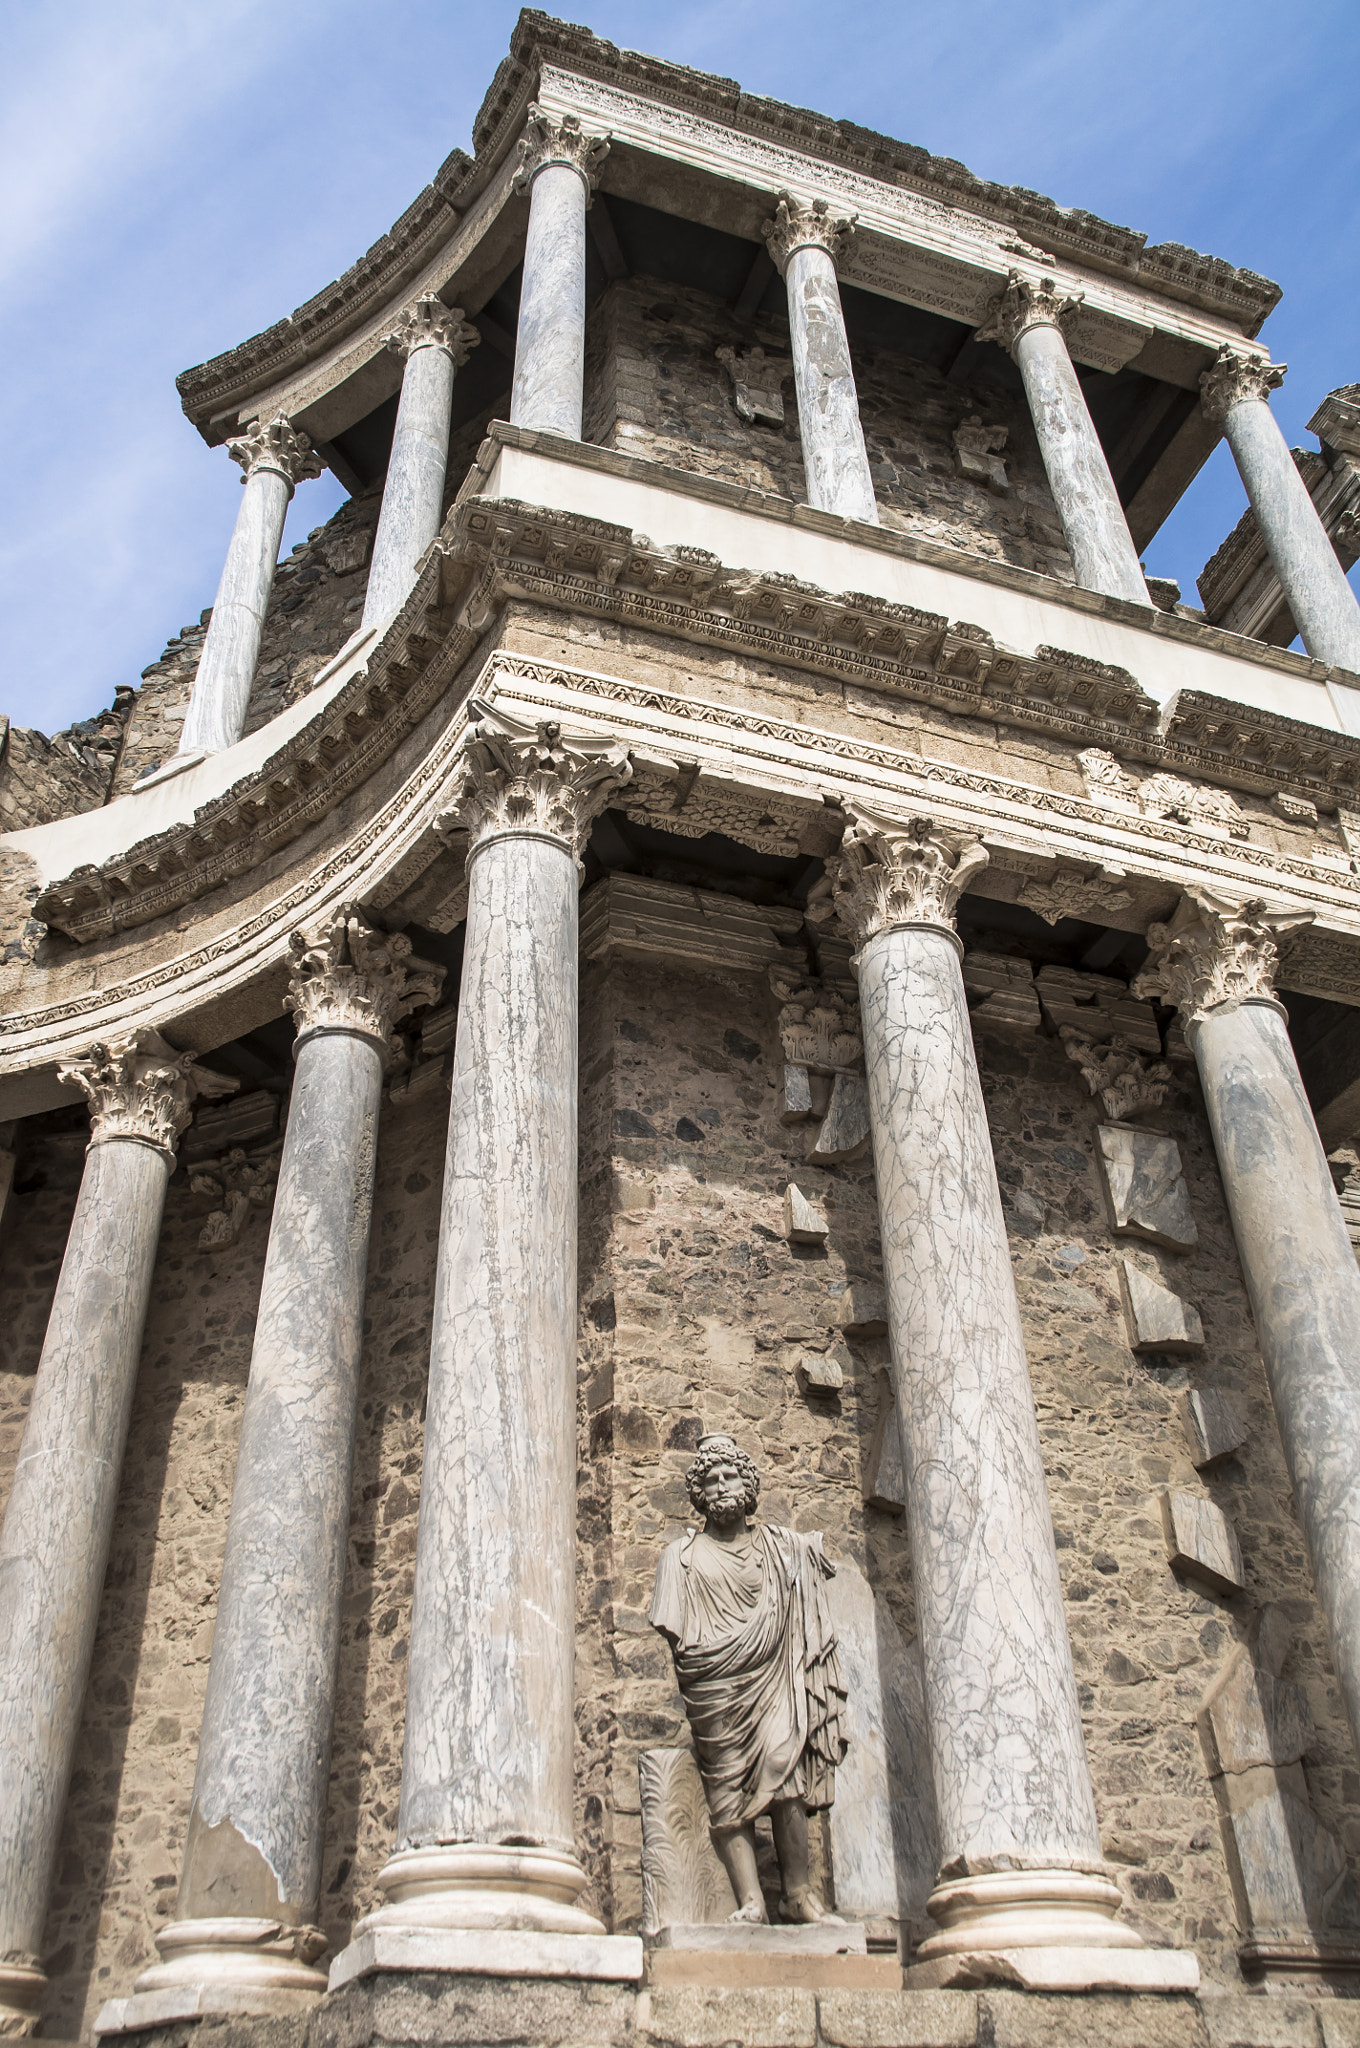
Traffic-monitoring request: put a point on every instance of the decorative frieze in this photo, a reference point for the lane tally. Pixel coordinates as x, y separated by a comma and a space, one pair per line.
1118, 1073
349, 976
1094, 898
550, 140
429, 323
1236, 376
800, 224
139, 1087
276, 444
1027, 303
1216, 949
515, 777
893, 871
1162, 795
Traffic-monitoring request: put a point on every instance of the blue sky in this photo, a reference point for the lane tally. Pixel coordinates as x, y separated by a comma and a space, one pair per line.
178, 176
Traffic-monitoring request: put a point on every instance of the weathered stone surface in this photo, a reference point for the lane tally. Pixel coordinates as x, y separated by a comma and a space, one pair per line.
821, 1372
898, 2019
1201, 1542
1145, 1188
844, 1131
681, 2017
1098, 1006
884, 1484
1001, 991
683, 1881
863, 1309
1213, 1425
804, 1219
1158, 1320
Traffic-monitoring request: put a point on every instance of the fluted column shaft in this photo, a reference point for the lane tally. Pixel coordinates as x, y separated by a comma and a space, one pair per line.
1218, 959
244, 1937
804, 242
1028, 320
1323, 605
54, 1544
275, 458
435, 340
559, 165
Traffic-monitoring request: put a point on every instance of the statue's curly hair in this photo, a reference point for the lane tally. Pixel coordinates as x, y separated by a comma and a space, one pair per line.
720, 1450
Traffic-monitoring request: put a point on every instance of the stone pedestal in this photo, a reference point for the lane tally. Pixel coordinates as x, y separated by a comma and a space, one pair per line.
559, 166
275, 458
1217, 961
55, 1540
804, 242
435, 340
245, 1938
485, 1836
1019, 1845
1237, 394
1027, 319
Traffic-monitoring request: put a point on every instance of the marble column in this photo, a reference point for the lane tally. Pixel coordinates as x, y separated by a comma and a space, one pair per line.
804, 242
244, 1939
435, 340
55, 1540
485, 1834
1217, 960
275, 458
559, 168
1237, 392
1028, 320
1022, 1894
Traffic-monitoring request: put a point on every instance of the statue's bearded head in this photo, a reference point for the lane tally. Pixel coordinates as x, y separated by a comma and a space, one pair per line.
722, 1481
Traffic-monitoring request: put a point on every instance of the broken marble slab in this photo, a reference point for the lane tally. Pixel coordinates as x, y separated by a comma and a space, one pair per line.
885, 1484
1157, 1319
683, 1880
843, 1133
863, 1309
1144, 1184
1201, 1542
821, 1372
1213, 1425
804, 1220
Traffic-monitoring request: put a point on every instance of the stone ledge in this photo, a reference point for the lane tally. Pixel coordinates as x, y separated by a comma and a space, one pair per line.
489, 1952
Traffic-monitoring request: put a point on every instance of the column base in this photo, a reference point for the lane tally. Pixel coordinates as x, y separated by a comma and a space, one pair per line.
21, 1988
1059, 1969
488, 1952
1041, 1930
228, 1966
476, 1885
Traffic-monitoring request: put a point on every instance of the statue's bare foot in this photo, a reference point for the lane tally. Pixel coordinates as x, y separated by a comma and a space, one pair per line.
805, 1908
752, 1914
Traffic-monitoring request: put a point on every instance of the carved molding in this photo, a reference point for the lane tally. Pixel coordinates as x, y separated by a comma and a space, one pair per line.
1027, 303
893, 871
1216, 949
350, 976
819, 1026
276, 445
515, 777
1234, 377
139, 1087
806, 225
548, 140
1118, 1073
429, 323
1091, 898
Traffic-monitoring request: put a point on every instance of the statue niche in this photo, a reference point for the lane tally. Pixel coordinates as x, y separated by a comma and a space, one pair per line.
744, 1610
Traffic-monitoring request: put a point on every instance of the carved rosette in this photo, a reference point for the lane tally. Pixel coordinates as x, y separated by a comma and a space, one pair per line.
1025, 304
548, 140
1118, 1073
1216, 949
796, 226
894, 871
276, 445
140, 1088
429, 323
516, 777
1234, 377
349, 976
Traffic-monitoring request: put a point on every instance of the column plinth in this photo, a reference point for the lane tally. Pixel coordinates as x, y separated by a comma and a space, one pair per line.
55, 1539
1021, 1871
804, 242
559, 169
435, 339
245, 1938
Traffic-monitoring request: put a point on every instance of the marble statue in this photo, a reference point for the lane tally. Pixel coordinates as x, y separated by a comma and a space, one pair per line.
744, 1610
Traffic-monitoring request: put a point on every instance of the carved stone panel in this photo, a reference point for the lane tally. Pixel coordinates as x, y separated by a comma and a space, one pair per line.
683, 1881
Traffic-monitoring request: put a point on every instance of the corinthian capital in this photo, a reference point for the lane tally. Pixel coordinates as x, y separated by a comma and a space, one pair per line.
516, 777
429, 323
796, 226
1233, 376
893, 871
278, 445
548, 140
1216, 949
1025, 304
349, 976
139, 1087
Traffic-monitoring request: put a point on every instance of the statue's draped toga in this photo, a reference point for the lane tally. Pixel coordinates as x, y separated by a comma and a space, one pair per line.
755, 1656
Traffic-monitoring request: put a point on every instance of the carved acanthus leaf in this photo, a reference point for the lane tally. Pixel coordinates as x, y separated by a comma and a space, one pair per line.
349, 976
429, 323
801, 226
1025, 304
140, 1087
1216, 949
1118, 1073
818, 1027
521, 777
893, 871
1098, 896
239, 1185
550, 140
276, 444
1235, 376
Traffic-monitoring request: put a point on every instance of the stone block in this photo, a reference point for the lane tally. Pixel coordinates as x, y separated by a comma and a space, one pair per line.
687, 2016
1097, 1005
463, 2010
1213, 1425
885, 1483
804, 1220
843, 1133
797, 1095
741, 1972
1252, 1717
823, 1938
1001, 992
821, 1372
1144, 1185
1340, 2020
1235, 2020
683, 1881
1018, 2019
1157, 1319
1200, 1542
863, 1309
899, 2019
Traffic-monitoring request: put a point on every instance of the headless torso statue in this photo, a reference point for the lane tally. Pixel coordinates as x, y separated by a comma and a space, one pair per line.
744, 1610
